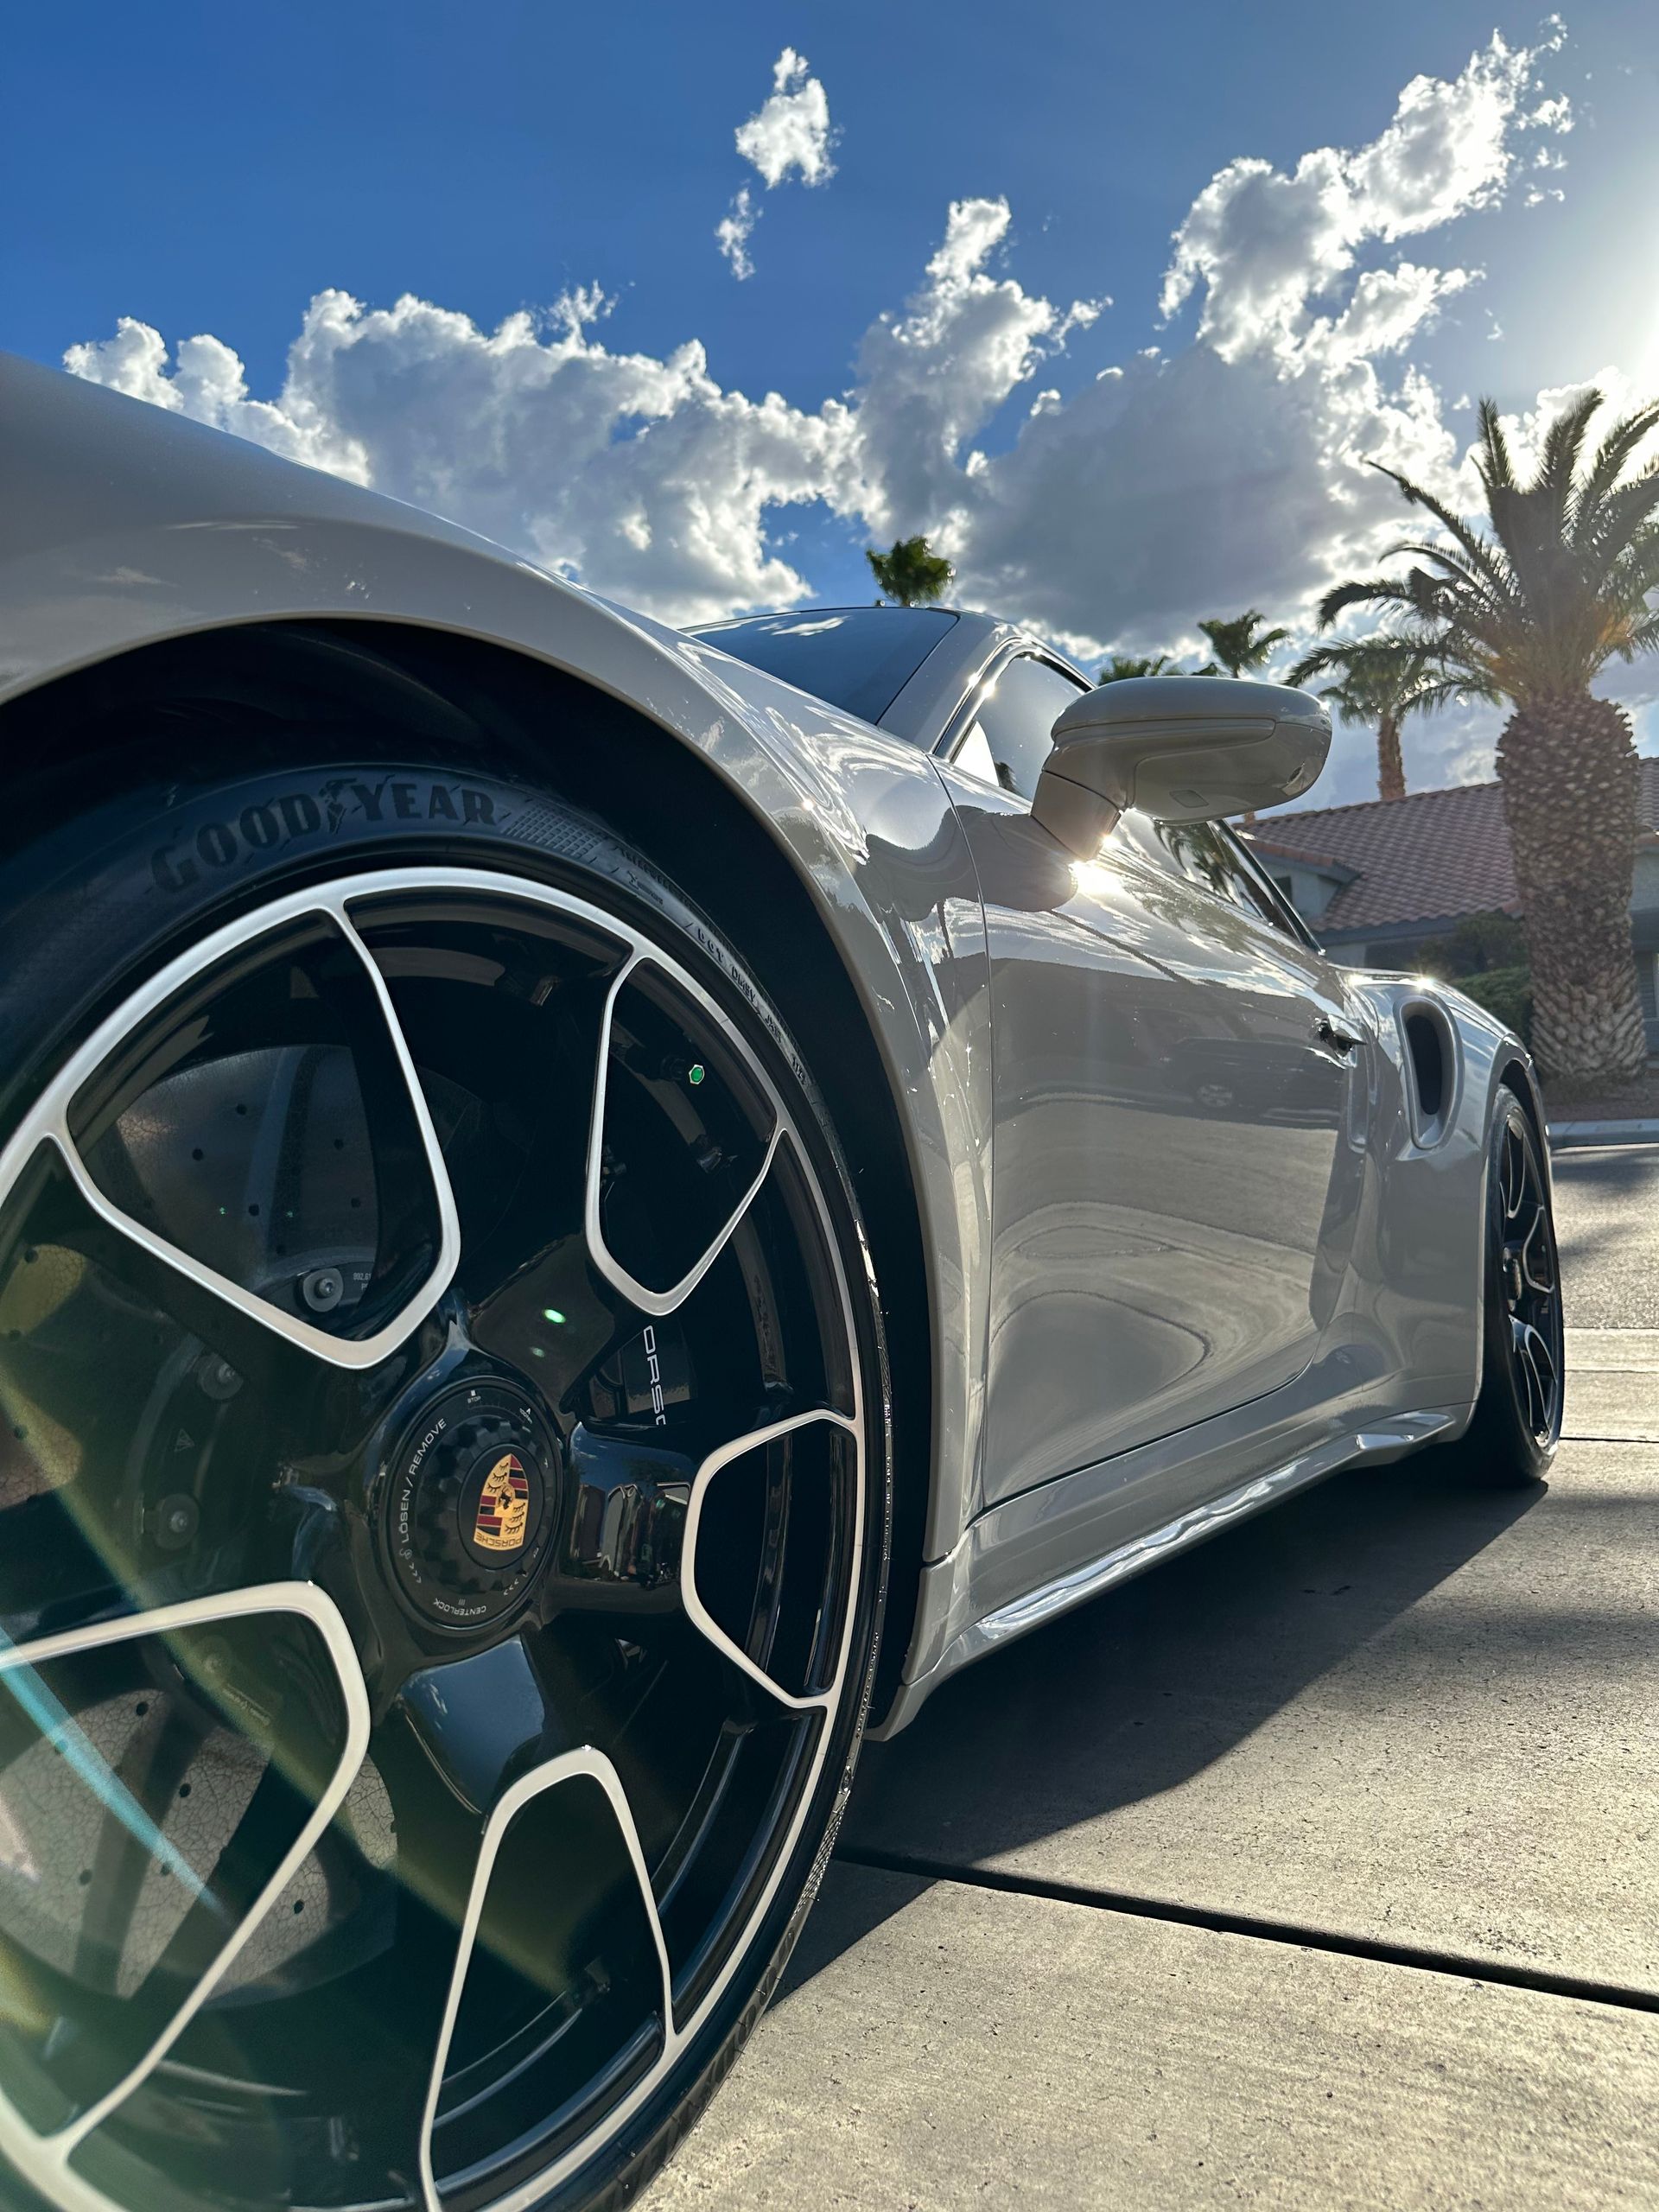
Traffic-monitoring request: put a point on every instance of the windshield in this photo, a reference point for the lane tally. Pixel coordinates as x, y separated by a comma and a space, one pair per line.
859, 658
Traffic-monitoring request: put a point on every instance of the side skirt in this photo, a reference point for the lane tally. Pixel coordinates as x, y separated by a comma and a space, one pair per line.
1017, 1523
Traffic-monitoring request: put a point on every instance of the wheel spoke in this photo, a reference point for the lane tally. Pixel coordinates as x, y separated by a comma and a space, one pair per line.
1535, 1255
656, 1303
1536, 1403
477, 1718
297, 1012
154, 1440
1540, 1377
43, 2154
583, 1763
696, 1608
626, 1520
1541, 1368
1514, 1175
59, 1207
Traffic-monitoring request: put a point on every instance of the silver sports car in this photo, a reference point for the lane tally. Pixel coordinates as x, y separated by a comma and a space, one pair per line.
587, 1213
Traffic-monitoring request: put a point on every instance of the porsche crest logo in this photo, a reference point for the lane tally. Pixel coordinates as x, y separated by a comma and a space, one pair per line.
503, 1506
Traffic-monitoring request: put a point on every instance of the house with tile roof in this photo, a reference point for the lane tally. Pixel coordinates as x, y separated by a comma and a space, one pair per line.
1378, 881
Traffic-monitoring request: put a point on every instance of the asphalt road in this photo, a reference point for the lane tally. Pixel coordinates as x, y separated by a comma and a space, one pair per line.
1318, 1869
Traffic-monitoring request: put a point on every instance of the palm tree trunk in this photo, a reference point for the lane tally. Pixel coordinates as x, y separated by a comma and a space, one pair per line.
1567, 768
1390, 761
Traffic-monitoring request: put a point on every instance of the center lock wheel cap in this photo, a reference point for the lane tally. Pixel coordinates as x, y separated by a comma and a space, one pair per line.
471, 1504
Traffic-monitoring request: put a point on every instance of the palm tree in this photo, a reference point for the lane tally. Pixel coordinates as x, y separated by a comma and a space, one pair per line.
1531, 611
1125, 664
910, 573
1236, 645
1382, 681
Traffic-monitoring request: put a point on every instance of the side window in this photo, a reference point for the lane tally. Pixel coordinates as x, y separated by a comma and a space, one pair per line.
1008, 739
1207, 854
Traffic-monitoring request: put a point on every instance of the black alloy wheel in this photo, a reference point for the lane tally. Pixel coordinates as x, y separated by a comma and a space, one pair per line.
1517, 1420
443, 1505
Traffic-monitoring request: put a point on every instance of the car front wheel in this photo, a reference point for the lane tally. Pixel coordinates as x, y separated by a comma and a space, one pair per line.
443, 1497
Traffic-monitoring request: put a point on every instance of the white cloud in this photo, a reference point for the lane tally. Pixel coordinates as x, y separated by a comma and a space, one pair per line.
1261, 245
733, 231
640, 475
791, 131
207, 384
789, 136
1232, 473
1226, 472
933, 376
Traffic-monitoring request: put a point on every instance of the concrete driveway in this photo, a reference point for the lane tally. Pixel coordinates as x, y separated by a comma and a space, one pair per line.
1320, 1868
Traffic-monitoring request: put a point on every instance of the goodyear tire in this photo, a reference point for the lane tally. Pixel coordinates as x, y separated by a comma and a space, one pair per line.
445, 1492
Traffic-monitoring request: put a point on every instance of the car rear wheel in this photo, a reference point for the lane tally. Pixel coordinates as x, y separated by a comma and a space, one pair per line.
443, 1498
1517, 1420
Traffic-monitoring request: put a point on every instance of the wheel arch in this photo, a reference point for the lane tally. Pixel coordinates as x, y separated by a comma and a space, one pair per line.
1515, 1073
449, 688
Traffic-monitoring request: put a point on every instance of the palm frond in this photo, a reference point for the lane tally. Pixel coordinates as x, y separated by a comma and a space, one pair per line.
1385, 675
1614, 451
1511, 511
1459, 572
1623, 515
1439, 691
1477, 552
1495, 465
1558, 463
1370, 591
1636, 573
1318, 662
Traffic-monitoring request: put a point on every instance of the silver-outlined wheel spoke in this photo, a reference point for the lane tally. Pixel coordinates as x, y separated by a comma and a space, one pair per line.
658, 1304
583, 1763
1538, 1369
50, 1123
1534, 1256
696, 1610
44, 2158
1514, 1176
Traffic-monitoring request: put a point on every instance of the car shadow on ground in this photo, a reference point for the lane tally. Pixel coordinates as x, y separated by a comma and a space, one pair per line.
1142, 1689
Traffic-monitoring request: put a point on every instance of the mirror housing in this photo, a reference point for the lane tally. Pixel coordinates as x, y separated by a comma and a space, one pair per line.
1182, 748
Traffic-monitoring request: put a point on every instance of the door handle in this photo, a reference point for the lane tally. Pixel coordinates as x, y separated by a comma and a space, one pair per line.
1334, 1040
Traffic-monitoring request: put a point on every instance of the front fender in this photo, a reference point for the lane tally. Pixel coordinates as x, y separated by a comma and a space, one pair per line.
128, 526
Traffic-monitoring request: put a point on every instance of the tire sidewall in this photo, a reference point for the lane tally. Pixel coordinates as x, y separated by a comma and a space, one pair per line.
1501, 1432
109, 897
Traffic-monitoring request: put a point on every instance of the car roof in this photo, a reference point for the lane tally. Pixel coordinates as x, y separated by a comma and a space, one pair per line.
932, 697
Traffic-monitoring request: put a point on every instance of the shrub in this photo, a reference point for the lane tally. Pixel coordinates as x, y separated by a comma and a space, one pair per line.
1505, 992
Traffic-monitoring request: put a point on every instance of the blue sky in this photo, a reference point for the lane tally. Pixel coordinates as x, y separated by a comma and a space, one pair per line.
206, 170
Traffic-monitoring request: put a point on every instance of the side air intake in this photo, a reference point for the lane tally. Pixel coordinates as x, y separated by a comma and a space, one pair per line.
1431, 1059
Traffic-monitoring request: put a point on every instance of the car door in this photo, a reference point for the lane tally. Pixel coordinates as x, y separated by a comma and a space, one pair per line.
1173, 1175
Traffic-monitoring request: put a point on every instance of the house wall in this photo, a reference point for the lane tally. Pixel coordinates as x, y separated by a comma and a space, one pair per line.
1644, 929
1386, 951
1644, 891
1401, 953
1310, 891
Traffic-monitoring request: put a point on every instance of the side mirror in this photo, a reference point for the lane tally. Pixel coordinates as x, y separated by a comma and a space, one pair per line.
1182, 748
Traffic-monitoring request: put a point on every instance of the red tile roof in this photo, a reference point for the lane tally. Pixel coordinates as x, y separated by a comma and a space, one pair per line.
1428, 858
